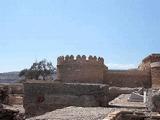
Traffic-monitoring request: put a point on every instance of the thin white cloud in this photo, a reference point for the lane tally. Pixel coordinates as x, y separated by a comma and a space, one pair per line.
120, 66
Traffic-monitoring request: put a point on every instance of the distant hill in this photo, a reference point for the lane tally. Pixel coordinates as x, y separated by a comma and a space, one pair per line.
12, 77
9, 77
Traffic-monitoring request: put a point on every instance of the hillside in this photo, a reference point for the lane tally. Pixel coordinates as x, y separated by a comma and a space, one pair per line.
9, 77
12, 77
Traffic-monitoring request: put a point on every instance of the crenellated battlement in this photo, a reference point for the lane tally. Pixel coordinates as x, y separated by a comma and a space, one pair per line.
80, 69
79, 59
152, 58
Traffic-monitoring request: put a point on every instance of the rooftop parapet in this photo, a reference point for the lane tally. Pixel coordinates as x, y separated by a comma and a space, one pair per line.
152, 58
79, 59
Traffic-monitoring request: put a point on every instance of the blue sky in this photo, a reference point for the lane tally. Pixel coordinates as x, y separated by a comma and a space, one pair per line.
121, 31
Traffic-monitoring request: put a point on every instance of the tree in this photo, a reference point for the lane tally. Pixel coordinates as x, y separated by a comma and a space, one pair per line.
42, 69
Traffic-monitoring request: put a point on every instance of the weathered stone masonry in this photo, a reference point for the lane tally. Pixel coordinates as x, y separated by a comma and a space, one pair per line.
84, 81
43, 97
127, 78
152, 64
72, 69
80, 69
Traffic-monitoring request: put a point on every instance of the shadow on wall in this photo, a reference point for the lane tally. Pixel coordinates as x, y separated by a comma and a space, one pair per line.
43, 97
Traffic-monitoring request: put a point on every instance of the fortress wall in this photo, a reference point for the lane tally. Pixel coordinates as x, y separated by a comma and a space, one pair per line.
127, 78
155, 72
156, 77
152, 63
43, 97
144, 66
80, 69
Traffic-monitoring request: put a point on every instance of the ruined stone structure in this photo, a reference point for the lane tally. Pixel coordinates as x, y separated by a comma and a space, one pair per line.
131, 115
92, 70
152, 64
11, 94
83, 81
40, 97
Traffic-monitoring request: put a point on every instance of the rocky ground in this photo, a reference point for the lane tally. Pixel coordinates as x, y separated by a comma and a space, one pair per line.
91, 113
122, 101
77, 113
11, 112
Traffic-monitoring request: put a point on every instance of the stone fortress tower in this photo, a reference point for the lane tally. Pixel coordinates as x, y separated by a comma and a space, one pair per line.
80, 69
152, 63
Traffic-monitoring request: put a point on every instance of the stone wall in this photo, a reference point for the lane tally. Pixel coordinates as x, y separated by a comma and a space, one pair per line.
153, 100
131, 115
93, 70
11, 94
43, 97
80, 69
127, 78
144, 66
116, 91
155, 72
152, 63
14, 88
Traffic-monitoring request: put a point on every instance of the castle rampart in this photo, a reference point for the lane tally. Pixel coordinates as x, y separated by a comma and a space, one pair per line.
155, 73
155, 64
128, 78
152, 63
80, 69
80, 60
73, 72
